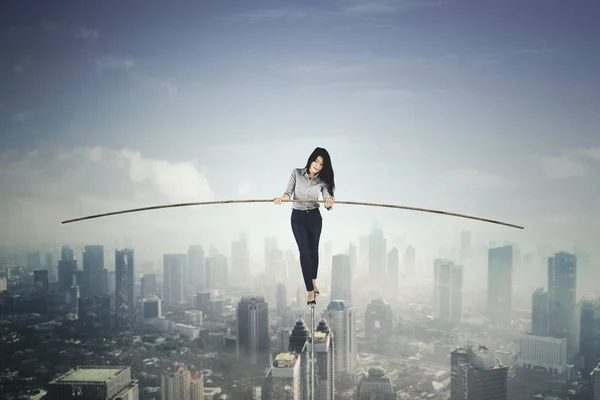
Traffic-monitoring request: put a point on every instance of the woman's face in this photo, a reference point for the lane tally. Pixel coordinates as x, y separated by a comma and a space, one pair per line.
316, 165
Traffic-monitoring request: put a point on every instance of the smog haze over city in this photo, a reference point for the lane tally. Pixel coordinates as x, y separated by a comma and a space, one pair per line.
478, 107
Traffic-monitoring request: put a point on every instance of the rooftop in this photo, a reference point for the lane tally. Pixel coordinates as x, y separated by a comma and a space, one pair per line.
90, 375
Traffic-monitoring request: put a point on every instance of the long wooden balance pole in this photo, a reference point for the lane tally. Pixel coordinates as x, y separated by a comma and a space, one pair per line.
355, 203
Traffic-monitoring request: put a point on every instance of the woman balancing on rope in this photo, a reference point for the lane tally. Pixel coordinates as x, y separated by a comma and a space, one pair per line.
306, 184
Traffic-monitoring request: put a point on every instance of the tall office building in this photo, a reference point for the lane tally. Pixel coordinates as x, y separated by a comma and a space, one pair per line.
500, 263
240, 259
298, 344
93, 271
476, 374
175, 382
281, 299
377, 256
67, 253
253, 342
562, 285
148, 282
197, 268
124, 284
342, 323
95, 383
540, 318
197, 386
217, 276
173, 273
324, 362
447, 293
341, 278
410, 262
393, 271
589, 335
40, 280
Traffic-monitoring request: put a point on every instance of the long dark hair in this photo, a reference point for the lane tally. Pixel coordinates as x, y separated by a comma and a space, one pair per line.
326, 173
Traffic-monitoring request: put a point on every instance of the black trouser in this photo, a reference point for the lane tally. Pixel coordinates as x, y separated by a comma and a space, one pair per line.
307, 226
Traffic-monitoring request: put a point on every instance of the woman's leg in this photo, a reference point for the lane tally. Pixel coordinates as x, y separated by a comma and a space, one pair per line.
299, 227
314, 236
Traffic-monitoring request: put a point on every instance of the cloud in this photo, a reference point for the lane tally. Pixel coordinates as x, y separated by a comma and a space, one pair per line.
88, 34
43, 187
473, 178
110, 61
387, 6
161, 85
570, 163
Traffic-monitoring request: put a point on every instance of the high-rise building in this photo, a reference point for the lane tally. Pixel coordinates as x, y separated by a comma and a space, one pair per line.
324, 362
148, 282
377, 256
197, 268
376, 384
217, 276
281, 299
562, 286
253, 341
197, 386
341, 278
500, 264
173, 270
589, 335
67, 253
175, 382
393, 271
410, 262
40, 280
342, 323
447, 293
540, 318
477, 374
94, 383
124, 284
67, 270
93, 267
240, 259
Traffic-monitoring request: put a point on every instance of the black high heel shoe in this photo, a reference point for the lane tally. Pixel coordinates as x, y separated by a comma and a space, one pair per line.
313, 301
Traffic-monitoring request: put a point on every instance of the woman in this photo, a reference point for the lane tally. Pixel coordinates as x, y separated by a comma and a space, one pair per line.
305, 184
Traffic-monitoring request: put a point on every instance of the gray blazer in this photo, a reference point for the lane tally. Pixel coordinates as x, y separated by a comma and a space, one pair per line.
303, 188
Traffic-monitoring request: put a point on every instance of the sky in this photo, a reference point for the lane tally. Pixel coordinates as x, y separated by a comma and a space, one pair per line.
488, 108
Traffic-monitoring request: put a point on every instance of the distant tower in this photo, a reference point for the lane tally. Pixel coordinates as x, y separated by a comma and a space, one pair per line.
253, 341
342, 323
500, 264
447, 293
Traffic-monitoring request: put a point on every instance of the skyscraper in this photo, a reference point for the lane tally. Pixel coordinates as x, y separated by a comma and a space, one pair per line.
173, 270
197, 268
93, 267
342, 323
341, 278
540, 319
562, 286
393, 271
377, 256
500, 262
124, 284
253, 341
447, 293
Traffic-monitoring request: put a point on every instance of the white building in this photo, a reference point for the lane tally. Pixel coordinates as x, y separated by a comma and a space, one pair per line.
546, 352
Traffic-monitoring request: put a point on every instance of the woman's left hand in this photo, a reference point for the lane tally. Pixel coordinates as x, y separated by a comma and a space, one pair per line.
329, 202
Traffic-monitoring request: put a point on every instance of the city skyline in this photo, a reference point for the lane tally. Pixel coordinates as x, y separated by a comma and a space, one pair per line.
428, 104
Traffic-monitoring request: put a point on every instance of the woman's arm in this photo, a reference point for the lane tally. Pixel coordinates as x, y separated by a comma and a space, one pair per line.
325, 194
290, 187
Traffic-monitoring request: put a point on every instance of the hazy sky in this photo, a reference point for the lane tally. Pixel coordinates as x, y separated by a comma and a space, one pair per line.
481, 107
